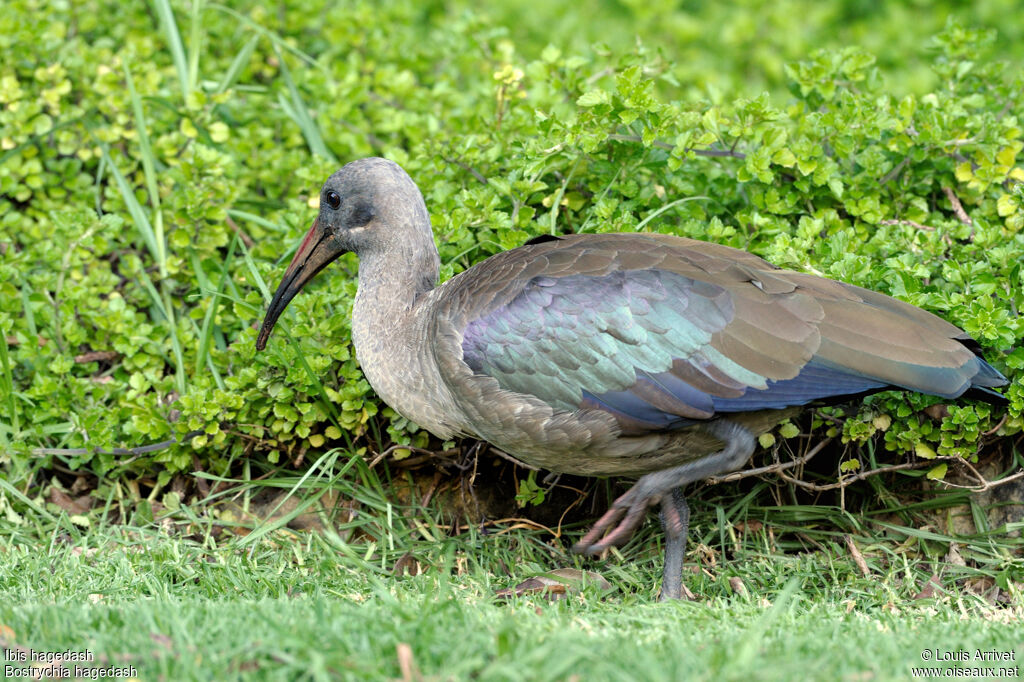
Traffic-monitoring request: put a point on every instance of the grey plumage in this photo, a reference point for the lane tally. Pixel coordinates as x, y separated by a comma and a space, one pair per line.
613, 354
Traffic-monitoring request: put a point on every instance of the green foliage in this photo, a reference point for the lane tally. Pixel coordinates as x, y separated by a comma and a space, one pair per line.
156, 173
529, 492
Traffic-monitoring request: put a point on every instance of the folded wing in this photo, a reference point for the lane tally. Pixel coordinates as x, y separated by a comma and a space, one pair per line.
661, 332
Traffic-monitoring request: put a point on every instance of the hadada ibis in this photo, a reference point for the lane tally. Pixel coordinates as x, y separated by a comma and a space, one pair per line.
640, 355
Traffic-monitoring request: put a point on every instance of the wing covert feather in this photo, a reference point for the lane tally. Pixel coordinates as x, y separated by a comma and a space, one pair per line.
660, 331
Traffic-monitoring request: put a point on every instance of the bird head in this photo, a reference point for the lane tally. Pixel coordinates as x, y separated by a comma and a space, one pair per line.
362, 209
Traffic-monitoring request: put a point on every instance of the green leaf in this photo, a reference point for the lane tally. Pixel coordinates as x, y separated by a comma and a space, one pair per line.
550, 54
594, 97
1007, 205
784, 157
789, 430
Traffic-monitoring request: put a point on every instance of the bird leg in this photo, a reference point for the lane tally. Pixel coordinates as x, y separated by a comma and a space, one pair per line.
629, 510
675, 521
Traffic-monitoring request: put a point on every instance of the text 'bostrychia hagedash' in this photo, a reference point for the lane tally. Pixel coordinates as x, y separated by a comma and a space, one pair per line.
611, 354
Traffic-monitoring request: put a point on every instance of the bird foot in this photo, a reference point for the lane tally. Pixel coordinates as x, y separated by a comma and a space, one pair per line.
621, 519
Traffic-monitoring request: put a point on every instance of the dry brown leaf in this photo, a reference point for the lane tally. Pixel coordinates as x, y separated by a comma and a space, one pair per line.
97, 356
79, 505
858, 558
406, 565
406, 663
928, 591
556, 584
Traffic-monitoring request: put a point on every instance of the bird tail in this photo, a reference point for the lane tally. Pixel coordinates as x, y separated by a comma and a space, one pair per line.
982, 383
986, 394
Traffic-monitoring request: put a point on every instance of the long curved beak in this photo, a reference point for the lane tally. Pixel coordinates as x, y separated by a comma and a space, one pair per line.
317, 250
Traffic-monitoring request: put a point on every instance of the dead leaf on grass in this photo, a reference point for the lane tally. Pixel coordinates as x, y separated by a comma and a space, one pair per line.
407, 664
73, 506
737, 586
406, 565
928, 591
556, 584
858, 558
97, 356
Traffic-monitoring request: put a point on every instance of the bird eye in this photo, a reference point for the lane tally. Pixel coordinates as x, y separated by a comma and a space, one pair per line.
332, 199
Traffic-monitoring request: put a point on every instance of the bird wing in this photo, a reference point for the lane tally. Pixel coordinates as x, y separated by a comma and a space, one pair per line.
662, 331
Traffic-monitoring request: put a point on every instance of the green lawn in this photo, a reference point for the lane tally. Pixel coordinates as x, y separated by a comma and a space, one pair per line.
309, 605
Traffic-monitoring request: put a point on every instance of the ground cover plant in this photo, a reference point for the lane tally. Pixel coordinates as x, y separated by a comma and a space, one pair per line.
157, 171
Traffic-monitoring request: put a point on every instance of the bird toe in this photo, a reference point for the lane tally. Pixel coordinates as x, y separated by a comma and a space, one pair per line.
617, 524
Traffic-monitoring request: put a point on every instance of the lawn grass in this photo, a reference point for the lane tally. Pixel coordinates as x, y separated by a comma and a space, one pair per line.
179, 603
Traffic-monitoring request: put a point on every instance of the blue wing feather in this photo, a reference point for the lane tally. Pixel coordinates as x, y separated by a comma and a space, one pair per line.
814, 382
658, 350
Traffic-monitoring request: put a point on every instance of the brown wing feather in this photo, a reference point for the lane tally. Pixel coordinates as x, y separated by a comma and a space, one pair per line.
781, 319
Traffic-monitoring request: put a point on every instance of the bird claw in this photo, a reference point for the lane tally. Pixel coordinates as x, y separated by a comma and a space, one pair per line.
622, 519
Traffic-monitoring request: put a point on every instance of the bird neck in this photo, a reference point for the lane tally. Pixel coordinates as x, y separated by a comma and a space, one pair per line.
392, 280
391, 331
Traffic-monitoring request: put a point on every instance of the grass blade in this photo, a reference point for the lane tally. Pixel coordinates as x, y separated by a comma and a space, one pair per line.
258, 219
173, 37
256, 277
273, 37
664, 208
322, 467
142, 224
237, 64
262, 286
299, 112
164, 307
332, 412
195, 41
26, 306
149, 170
557, 203
210, 364
206, 332
8, 386
8, 489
